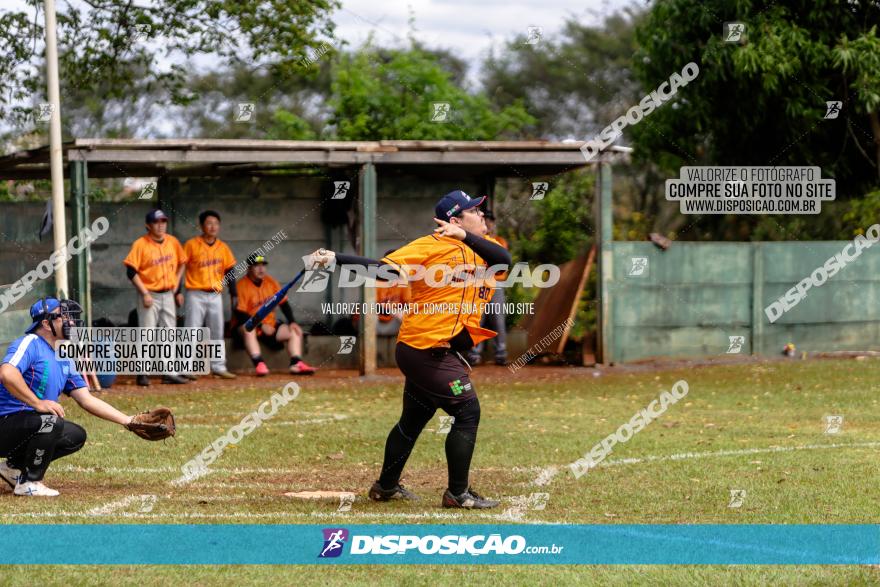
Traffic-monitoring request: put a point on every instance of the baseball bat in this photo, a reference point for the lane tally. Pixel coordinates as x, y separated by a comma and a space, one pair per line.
270, 304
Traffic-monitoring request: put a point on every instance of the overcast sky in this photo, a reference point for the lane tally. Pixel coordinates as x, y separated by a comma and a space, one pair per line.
467, 27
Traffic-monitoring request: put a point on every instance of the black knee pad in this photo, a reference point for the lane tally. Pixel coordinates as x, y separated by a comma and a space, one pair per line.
73, 436
467, 418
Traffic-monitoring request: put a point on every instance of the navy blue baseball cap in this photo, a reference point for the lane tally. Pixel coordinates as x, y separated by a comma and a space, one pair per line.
155, 216
39, 311
454, 203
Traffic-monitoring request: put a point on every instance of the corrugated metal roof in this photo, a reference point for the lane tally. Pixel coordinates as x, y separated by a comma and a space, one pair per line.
121, 157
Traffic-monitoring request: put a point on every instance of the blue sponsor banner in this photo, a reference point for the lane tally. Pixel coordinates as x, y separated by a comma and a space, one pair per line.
440, 544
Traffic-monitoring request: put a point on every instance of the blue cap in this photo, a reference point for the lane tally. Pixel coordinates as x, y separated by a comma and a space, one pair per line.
155, 216
454, 203
39, 310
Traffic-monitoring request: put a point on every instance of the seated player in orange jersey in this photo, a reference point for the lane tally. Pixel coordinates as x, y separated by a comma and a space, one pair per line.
254, 289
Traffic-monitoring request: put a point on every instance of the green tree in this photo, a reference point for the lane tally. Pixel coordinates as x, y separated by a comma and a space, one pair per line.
291, 106
390, 94
574, 83
554, 230
764, 102
127, 49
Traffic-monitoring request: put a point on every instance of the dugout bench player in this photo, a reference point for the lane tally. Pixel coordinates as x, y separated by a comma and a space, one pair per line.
430, 346
33, 431
253, 290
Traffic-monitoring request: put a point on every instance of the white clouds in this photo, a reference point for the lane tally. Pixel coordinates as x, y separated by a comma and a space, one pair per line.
468, 28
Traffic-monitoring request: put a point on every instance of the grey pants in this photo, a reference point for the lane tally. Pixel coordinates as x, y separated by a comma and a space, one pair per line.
162, 313
495, 321
205, 308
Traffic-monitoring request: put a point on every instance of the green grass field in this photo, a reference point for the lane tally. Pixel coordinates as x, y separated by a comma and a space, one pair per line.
756, 427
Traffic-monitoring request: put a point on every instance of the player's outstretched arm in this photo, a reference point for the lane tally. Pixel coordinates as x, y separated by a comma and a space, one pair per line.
98, 407
323, 258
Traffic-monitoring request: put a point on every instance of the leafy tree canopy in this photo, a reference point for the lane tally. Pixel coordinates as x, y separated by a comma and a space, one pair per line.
119, 48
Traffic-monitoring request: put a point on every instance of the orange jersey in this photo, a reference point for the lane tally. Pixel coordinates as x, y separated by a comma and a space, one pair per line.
156, 263
251, 296
439, 313
399, 294
498, 240
207, 264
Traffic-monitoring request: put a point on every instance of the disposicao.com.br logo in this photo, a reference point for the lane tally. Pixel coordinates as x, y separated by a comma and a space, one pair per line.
334, 541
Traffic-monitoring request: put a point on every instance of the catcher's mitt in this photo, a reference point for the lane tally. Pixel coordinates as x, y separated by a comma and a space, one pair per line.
155, 424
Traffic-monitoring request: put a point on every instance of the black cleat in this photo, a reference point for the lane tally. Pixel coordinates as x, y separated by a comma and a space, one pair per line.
469, 500
174, 379
143, 380
398, 492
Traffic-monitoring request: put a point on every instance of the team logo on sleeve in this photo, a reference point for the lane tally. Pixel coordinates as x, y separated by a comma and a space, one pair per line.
44, 381
334, 540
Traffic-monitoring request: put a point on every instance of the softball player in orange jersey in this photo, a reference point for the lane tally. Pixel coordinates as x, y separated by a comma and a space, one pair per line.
431, 343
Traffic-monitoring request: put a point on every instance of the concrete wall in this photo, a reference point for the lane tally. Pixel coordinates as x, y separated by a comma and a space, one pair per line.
694, 296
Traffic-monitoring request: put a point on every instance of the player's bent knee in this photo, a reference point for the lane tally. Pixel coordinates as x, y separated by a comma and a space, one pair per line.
468, 416
74, 436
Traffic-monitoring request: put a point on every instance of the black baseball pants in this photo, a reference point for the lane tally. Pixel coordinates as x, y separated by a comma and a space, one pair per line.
30, 441
435, 378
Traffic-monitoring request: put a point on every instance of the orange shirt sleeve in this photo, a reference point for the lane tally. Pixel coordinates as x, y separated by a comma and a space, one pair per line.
245, 294
133, 259
182, 256
189, 249
228, 258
